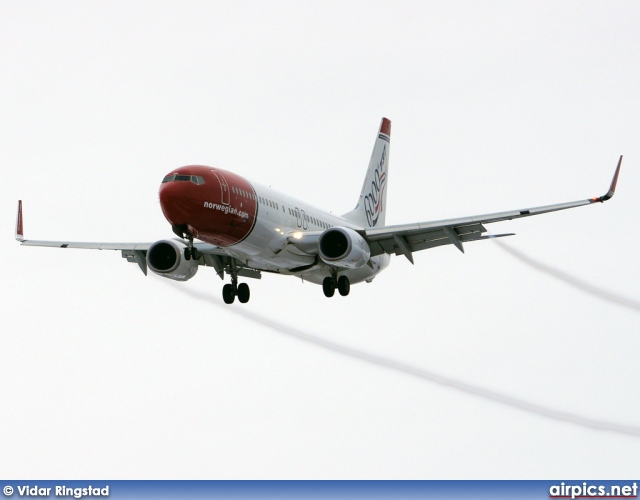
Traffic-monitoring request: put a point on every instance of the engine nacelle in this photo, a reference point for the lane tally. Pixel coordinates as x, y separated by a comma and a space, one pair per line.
343, 247
166, 258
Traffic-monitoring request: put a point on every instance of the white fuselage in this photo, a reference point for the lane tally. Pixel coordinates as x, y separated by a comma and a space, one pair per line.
278, 216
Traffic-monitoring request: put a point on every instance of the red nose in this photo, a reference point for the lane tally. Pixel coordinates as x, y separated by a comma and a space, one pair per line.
176, 201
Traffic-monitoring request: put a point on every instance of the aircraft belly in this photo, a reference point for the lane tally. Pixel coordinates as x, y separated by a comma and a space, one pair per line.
318, 273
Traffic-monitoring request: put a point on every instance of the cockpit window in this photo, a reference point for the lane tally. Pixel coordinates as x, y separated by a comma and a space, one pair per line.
196, 179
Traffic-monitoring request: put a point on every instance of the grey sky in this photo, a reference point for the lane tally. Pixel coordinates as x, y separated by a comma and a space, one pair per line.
494, 106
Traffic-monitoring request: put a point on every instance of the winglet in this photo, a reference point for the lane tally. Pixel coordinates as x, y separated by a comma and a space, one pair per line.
19, 231
612, 188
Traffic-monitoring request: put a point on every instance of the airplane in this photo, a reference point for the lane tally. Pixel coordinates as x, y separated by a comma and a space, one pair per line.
245, 229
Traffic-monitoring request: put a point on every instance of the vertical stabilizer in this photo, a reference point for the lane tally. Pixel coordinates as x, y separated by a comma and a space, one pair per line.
372, 204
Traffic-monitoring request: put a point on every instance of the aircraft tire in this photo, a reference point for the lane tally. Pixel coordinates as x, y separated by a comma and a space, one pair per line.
228, 294
243, 293
344, 286
328, 287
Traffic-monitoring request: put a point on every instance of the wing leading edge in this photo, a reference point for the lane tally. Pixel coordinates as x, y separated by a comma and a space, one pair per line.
405, 239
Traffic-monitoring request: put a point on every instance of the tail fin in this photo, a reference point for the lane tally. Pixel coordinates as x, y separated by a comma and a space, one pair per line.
371, 208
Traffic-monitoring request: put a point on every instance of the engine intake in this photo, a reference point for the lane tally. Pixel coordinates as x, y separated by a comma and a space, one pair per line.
166, 258
343, 247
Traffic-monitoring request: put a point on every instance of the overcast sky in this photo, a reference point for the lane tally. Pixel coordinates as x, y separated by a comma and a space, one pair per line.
461, 366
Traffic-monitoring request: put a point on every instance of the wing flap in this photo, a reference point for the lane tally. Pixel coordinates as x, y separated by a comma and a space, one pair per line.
421, 240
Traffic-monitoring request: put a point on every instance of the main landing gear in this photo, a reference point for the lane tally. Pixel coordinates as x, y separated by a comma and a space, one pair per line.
330, 283
232, 290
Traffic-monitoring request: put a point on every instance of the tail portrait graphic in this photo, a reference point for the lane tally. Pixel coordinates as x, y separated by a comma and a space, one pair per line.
372, 203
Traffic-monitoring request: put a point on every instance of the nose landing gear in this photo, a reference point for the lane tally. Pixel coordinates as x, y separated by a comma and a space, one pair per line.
190, 252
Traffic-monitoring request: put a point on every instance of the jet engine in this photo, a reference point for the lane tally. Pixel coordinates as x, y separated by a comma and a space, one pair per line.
343, 247
166, 258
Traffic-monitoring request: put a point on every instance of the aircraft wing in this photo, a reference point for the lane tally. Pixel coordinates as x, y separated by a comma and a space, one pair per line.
88, 245
405, 239
204, 248
133, 252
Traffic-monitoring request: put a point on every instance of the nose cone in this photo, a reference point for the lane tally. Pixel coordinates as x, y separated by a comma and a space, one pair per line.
175, 200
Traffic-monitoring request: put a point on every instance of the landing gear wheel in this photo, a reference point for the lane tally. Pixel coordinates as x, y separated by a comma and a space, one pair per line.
344, 286
243, 293
195, 255
328, 286
187, 253
228, 294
